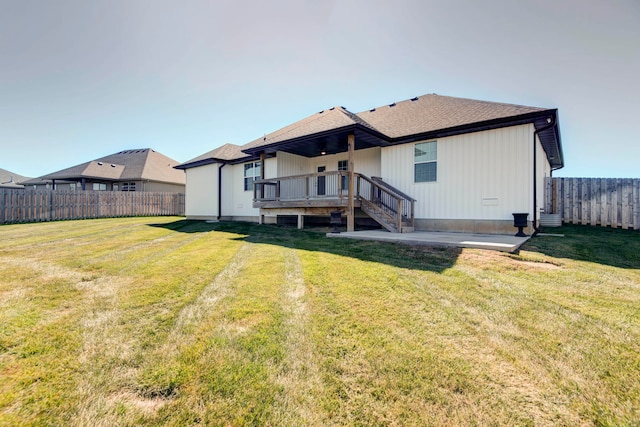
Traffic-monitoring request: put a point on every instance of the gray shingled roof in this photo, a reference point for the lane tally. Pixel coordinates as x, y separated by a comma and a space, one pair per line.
228, 152
139, 164
393, 123
433, 112
326, 120
10, 179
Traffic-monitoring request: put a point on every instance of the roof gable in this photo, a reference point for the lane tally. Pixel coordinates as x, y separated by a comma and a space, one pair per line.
427, 116
325, 120
225, 153
139, 164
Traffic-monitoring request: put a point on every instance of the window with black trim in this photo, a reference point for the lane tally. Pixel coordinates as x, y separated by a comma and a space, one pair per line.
425, 160
252, 172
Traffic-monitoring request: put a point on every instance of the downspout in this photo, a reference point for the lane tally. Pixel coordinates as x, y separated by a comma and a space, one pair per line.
220, 191
551, 122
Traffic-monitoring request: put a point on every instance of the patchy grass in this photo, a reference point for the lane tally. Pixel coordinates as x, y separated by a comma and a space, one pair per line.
161, 321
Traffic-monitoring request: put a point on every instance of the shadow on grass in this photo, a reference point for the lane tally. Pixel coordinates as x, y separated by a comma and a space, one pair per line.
602, 245
436, 259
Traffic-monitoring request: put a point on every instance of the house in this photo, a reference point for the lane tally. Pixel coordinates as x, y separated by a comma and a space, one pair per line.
129, 170
10, 180
428, 163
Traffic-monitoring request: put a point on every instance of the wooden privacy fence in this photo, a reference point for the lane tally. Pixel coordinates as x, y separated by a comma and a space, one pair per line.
18, 206
607, 202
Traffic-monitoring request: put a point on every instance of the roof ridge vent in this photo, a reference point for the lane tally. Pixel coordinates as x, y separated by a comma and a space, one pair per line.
99, 163
332, 108
414, 99
372, 110
320, 112
392, 105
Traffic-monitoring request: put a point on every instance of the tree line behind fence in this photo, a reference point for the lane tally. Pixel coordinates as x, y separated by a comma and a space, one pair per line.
607, 202
18, 206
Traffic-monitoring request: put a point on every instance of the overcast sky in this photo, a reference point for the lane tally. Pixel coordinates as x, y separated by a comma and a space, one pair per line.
83, 79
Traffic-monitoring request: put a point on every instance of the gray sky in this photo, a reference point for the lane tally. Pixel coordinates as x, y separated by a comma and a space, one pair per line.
83, 79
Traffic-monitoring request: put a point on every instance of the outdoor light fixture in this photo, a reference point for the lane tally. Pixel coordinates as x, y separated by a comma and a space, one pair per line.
323, 152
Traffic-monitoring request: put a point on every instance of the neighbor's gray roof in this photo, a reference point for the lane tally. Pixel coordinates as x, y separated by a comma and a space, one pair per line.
139, 164
10, 180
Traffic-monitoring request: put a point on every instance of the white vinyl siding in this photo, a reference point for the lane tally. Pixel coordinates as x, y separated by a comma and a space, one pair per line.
366, 162
481, 175
201, 198
235, 201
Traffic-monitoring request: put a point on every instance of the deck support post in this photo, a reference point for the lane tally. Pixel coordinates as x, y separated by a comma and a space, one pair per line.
300, 222
351, 140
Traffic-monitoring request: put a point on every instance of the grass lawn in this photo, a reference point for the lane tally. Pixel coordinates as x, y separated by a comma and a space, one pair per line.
161, 321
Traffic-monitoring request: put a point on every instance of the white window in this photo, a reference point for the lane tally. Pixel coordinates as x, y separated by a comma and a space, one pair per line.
426, 162
251, 173
128, 186
343, 165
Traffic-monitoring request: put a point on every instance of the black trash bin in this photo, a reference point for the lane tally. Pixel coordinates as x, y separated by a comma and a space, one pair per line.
336, 221
520, 221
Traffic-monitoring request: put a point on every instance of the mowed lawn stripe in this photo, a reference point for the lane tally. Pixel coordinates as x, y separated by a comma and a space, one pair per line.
187, 323
299, 375
234, 355
51, 236
102, 332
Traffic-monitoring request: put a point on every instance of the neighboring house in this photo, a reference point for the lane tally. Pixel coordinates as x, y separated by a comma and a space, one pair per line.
429, 163
129, 170
11, 180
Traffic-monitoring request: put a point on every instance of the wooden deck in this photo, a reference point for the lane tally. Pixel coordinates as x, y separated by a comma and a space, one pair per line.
322, 193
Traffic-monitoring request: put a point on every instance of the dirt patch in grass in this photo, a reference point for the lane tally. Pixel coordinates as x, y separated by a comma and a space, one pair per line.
493, 259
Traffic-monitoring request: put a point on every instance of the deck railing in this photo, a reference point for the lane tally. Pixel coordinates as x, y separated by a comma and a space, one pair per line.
300, 187
396, 206
390, 202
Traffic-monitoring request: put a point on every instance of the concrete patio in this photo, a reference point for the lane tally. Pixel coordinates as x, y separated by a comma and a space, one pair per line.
496, 242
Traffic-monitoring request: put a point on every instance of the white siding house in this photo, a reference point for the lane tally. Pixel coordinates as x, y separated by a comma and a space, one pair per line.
429, 163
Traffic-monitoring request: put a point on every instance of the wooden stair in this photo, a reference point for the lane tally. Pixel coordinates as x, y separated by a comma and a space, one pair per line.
386, 205
384, 219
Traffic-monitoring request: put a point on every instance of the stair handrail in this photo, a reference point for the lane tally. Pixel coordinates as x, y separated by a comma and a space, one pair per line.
378, 180
399, 198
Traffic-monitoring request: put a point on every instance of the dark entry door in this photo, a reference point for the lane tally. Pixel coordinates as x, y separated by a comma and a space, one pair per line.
322, 183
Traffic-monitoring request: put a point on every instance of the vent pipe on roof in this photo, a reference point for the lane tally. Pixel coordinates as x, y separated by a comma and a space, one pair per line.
392, 105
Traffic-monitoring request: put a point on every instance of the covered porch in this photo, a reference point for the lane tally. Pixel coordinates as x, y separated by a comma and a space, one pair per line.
326, 192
